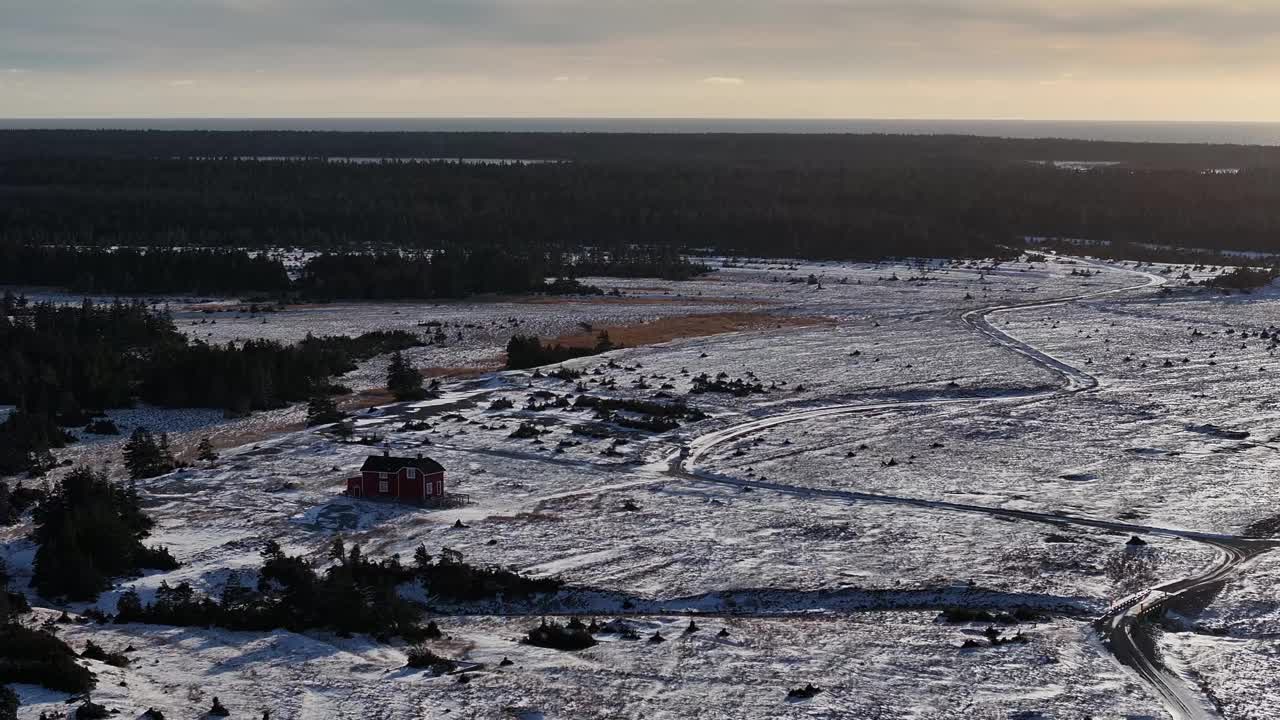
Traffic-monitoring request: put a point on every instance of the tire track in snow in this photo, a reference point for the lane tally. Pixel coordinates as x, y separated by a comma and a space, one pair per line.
1118, 625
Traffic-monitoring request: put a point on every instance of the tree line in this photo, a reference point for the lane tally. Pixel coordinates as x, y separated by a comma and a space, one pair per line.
437, 274
521, 209
62, 365
730, 149
544, 214
130, 270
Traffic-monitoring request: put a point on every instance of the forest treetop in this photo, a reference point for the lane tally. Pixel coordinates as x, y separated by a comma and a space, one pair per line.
806, 150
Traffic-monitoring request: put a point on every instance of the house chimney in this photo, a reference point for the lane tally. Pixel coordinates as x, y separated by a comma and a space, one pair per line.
419, 456
386, 452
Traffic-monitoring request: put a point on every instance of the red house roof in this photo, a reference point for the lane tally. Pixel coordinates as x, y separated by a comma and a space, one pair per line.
389, 464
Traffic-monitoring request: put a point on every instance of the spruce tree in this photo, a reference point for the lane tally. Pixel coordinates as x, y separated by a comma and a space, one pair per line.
403, 380
322, 410
146, 457
87, 532
204, 450
421, 558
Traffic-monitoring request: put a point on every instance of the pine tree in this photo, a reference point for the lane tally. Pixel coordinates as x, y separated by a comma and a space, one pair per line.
421, 558
234, 593
322, 410
129, 606
8, 514
403, 380
87, 532
146, 457
204, 450
140, 453
337, 550
40, 461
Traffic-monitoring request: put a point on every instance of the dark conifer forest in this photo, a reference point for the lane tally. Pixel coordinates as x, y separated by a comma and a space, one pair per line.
334, 275
63, 364
816, 196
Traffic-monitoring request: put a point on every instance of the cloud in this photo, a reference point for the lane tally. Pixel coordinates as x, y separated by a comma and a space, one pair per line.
181, 83
818, 55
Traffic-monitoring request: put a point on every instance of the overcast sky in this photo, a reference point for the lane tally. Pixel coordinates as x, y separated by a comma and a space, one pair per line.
1038, 59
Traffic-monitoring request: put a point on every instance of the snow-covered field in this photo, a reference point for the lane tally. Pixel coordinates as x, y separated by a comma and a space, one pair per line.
813, 587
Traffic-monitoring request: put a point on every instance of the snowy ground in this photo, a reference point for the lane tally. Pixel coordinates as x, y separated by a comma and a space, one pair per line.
839, 593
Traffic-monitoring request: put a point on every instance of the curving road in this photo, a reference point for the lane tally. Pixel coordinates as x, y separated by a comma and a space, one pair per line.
1118, 626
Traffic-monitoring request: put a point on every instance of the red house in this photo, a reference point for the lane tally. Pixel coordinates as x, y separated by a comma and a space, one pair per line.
419, 479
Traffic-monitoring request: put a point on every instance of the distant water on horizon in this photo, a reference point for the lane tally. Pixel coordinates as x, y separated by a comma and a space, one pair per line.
1236, 133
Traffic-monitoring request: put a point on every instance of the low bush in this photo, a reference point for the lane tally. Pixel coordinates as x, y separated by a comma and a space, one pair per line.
38, 658
559, 637
422, 657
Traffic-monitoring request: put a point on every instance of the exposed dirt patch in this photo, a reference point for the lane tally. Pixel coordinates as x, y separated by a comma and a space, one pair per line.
463, 373
672, 328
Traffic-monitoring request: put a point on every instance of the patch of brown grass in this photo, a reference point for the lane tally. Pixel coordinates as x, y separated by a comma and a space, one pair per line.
643, 300
381, 396
463, 372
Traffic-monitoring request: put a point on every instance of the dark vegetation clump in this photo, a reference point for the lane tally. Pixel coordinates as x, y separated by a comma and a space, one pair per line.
526, 431
527, 351
403, 379
16, 502
61, 360
102, 426
8, 703
93, 651
27, 439
91, 710
89, 531
1242, 278
804, 693
148, 456
569, 286
218, 710
322, 409
39, 658
722, 383
996, 639
421, 657
673, 410
630, 262
559, 637
564, 373
353, 595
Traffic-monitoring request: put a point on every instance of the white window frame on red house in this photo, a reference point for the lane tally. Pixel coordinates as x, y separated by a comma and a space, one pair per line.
384, 486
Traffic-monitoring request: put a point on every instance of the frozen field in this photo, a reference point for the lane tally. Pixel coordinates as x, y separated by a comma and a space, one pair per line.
896, 462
